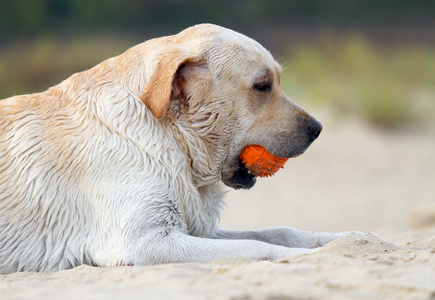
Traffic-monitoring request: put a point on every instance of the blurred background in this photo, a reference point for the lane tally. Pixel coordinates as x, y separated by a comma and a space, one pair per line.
365, 69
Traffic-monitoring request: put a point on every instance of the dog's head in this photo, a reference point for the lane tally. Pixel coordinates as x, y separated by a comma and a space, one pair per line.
224, 89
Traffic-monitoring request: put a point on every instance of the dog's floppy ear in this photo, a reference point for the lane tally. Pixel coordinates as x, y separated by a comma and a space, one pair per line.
158, 91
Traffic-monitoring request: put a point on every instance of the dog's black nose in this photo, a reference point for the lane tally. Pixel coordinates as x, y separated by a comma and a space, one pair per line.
315, 127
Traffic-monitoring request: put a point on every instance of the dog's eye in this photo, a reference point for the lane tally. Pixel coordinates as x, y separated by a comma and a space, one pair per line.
263, 86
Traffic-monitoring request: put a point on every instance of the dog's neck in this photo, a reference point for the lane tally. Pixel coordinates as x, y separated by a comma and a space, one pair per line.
204, 145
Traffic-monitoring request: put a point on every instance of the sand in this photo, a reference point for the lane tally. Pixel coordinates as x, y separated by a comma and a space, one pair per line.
354, 177
351, 267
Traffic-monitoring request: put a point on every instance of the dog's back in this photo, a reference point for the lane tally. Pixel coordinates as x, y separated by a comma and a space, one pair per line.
37, 232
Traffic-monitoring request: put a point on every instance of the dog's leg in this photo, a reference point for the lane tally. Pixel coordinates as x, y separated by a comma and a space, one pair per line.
178, 247
283, 236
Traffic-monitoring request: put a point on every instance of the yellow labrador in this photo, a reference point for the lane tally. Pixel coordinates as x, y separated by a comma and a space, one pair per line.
123, 164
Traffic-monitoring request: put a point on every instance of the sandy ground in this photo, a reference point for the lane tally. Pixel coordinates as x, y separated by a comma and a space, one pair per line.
353, 178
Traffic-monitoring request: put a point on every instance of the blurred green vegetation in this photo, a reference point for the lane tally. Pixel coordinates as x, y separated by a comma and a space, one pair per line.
374, 59
68, 16
390, 87
28, 67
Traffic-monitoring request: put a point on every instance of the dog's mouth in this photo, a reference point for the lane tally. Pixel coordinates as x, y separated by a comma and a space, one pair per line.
242, 178
237, 176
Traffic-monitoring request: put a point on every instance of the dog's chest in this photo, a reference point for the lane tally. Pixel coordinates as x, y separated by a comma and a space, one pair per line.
203, 211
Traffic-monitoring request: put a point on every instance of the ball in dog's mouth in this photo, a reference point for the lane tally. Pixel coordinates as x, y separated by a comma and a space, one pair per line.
261, 163
254, 161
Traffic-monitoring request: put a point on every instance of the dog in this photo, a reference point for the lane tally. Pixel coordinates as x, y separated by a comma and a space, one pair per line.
125, 163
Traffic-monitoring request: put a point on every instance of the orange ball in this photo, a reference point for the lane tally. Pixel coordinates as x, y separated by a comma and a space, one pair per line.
260, 162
